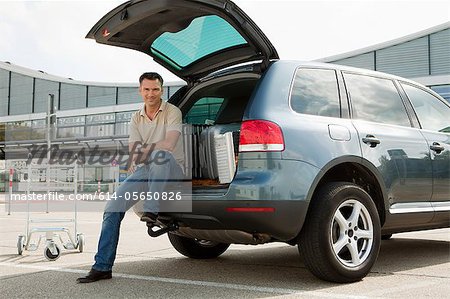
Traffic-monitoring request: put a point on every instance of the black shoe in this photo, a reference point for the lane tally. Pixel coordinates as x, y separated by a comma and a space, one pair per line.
149, 217
95, 275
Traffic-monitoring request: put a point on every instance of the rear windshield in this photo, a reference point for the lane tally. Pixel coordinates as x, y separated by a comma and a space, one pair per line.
205, 35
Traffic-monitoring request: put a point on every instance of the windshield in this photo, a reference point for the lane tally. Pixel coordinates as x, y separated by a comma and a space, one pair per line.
204, 35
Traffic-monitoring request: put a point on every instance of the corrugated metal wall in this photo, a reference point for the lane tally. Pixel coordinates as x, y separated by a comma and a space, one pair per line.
409, 59
365, 61
428, 55
440, 52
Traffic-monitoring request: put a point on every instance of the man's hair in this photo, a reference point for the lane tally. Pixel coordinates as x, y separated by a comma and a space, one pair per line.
151, 76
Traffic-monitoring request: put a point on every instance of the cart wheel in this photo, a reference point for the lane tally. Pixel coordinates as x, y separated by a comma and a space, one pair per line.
80, 242
20, 244
49, 255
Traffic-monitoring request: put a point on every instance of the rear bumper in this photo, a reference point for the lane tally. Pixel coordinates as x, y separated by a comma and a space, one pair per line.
282, 186
283, 223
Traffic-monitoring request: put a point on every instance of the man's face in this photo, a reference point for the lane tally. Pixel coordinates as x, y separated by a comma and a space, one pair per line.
151, 92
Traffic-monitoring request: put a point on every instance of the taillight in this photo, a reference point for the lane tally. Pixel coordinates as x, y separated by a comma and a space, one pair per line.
260, 136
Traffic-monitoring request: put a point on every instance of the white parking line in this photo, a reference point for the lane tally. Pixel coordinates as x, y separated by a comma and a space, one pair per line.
233, 286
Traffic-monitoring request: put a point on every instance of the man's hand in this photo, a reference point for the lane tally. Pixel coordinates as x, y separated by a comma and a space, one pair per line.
132, 168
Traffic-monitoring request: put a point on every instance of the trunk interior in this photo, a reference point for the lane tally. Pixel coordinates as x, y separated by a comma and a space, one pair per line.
213, 112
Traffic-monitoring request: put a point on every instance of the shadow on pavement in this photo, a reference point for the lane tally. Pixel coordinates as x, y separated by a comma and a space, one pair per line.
401, 254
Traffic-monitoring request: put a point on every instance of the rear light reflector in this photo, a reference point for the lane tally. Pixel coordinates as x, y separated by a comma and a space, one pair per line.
260, 136
257, 209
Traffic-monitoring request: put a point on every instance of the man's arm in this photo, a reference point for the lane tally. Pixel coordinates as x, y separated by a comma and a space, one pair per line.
133, 145
167, 144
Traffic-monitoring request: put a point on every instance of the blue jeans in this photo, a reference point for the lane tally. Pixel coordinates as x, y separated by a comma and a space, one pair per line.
148, 178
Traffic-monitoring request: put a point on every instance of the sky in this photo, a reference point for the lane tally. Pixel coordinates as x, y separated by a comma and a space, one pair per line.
50, 35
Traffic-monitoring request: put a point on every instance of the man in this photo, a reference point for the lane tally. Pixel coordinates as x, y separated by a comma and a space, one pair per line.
155, 157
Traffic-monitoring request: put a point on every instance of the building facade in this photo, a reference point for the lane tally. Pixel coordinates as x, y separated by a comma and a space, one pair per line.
423, 57
87, 113
84, 109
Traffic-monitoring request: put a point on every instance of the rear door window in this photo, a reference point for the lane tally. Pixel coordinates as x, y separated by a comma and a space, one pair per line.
433, 114
376, 99
315, 91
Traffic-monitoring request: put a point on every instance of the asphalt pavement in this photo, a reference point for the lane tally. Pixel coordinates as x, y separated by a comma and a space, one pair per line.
409, 265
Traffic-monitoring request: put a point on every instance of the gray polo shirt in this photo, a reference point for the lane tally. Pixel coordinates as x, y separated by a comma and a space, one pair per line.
147, 131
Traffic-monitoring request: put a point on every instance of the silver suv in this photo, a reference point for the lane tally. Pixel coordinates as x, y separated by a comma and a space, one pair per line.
326, 157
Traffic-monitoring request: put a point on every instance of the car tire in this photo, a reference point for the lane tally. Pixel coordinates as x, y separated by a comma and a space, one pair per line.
333, 248
197, 249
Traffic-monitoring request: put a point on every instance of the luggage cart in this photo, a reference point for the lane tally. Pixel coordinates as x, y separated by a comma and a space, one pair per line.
76, 240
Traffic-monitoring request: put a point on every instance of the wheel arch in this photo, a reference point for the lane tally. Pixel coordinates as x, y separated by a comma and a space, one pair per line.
355, 170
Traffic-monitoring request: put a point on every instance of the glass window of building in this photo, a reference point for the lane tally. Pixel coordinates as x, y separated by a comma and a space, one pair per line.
38, 123
172, 90
124, 116
376, 99
2, 133
21, 92
316, 92
443, 91
99, 125
4, 88
39, 129
70, 132
69, 127
73, 96
101, 96
128, 95
18, 130
42, 88
122, 128
106, 130
123, 122
100, 118
165, 95
71, 121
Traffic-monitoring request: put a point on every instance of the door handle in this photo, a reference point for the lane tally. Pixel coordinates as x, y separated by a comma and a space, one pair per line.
437, 147
371, 140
